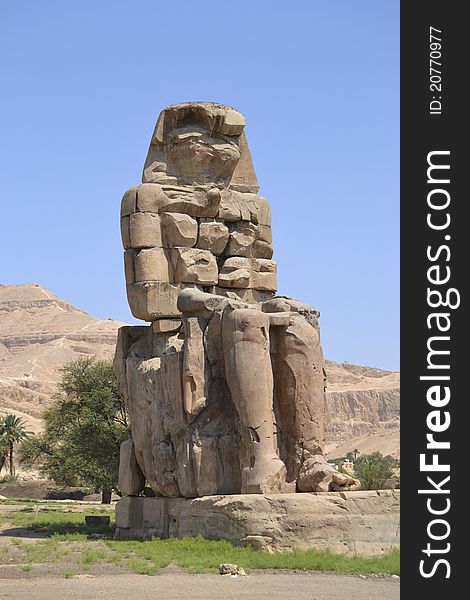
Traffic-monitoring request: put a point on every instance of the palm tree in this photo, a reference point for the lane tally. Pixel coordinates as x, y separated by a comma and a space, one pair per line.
3, 451
12, 431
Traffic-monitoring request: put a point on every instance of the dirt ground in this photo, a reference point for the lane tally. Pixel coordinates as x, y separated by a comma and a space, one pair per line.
179, 585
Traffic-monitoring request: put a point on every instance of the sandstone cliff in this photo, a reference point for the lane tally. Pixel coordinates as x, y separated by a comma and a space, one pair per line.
364, 406
39, 332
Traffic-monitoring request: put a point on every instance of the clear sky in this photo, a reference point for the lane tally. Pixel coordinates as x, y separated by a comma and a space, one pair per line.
82, 86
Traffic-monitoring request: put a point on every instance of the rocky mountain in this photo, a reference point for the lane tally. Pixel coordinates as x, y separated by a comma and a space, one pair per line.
39, 332
364, 405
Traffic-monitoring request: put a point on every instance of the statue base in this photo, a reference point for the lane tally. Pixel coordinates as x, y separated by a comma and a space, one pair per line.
365, 523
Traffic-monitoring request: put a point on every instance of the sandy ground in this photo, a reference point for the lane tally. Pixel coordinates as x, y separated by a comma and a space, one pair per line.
175, 586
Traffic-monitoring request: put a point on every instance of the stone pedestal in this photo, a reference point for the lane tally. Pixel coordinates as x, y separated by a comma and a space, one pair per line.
365, 523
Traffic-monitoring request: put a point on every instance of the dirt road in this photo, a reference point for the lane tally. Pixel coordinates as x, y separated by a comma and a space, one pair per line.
176, 586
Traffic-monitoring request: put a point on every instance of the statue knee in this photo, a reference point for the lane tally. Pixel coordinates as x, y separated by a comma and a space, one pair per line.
248, 318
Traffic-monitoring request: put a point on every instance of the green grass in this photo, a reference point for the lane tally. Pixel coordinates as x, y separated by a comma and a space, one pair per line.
42, 551
92, 555
59, 521
199, 555
69, 542
68, 574
142, 567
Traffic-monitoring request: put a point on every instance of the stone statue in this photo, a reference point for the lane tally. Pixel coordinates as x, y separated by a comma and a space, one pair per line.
226, 387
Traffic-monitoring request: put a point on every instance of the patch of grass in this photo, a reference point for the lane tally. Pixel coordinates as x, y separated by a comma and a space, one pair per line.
41, 551
16, 541
68, 574
70, 537
199, 555
91, 555
142, 567
59, 521
27, 567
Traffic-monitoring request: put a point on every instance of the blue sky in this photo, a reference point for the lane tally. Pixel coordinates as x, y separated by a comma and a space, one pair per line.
82, 86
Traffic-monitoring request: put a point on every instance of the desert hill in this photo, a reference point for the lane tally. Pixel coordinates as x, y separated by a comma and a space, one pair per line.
364, 405
39, 332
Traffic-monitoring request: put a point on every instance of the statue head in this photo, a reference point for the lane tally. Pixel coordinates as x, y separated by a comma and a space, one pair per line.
200, 143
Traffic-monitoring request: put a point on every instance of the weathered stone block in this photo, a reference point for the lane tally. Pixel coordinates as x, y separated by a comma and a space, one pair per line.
152, 264
248, 295
129, 512
238, 199
166, 325
125, 232
145, 230
243, 272
128, 203
265, 233
213, 236
263, 274
262, 249
127, 336
153, 300
155, 517
242, 237
178, 229
151, 198
131, 478
235, 273
195, 202
195, 266
262, 211
129, 266
229, 209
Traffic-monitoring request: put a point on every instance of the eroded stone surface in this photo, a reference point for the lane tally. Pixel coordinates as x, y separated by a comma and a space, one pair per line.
131, 478
242, 238
235, 273
152, 300
213, 236
128, 202
150, 198
178, 230
316, 473
193, 265
145, 230
364, 523
152, 264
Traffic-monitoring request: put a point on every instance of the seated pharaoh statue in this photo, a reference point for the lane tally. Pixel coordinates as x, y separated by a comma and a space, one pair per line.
226, 386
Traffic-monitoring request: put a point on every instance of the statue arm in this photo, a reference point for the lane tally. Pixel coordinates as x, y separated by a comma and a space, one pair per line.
287, 305
193, 302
